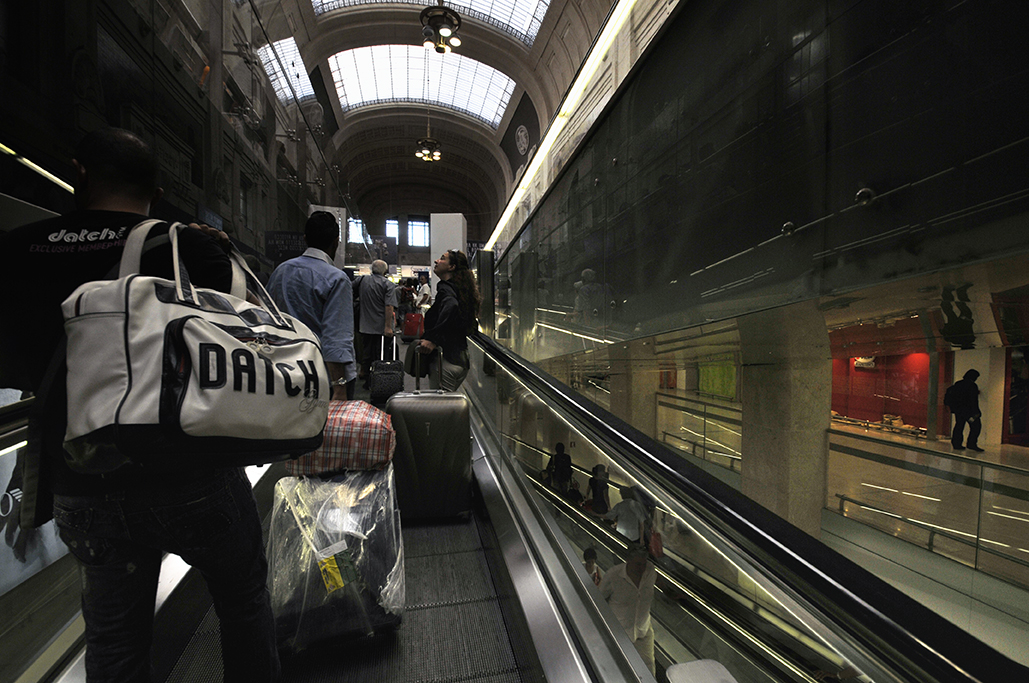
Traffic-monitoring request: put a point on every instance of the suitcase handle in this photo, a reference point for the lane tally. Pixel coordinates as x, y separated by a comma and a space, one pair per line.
418, 369
395, 351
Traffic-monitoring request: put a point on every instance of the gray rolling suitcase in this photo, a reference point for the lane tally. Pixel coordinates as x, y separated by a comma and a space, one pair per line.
432, 464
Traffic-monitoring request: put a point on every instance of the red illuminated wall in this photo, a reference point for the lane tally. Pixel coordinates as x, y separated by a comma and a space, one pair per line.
898, 385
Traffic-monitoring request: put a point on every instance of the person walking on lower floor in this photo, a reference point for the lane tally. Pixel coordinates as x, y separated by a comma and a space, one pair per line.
963, 400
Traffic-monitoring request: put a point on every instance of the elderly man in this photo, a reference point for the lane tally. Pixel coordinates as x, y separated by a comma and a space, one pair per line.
629, 589
311, 288
378, 298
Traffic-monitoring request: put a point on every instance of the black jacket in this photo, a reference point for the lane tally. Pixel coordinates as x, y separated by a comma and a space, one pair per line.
446, 325
963, 398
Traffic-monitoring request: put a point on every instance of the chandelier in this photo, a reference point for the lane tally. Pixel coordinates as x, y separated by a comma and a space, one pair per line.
439, 27
428, 147
428, 150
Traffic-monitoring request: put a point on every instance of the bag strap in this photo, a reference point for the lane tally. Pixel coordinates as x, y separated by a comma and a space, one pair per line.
133, 251
243, 279
253, 284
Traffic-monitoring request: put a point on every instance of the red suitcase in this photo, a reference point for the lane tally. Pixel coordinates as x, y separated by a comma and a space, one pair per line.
414, 325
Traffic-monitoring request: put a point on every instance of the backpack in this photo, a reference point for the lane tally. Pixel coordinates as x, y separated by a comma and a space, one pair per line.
950, 397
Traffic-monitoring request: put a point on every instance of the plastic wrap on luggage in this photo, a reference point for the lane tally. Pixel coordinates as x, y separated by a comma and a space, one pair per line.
336, 558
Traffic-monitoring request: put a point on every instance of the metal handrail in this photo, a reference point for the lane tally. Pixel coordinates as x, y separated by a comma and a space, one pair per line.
732, 458
933, 531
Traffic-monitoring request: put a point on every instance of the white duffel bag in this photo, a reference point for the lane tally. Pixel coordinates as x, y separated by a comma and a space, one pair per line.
168, 375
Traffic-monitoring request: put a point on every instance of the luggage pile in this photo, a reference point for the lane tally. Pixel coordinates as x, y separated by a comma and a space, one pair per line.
335, 552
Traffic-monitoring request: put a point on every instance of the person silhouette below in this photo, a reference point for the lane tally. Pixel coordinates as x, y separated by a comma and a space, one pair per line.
963, 400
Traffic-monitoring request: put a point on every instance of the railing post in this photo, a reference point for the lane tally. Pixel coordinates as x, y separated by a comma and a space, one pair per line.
704, 437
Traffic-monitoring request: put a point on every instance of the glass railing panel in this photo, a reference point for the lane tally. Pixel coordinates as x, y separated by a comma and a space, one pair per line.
711, 602
696, 425
1004, 527
924, 499
969, 511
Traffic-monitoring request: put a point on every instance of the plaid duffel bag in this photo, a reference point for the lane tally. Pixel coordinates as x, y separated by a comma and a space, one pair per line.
358, 436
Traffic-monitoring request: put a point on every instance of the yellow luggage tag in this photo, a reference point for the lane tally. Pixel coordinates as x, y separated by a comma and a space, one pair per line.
338, 570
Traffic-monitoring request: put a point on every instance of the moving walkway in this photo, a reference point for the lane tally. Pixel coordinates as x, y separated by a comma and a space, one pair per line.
503, 596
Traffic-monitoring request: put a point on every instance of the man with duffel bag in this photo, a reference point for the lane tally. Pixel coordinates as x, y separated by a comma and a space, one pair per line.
119, 524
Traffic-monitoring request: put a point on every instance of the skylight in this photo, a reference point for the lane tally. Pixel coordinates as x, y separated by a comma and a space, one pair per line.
520, 18
396, 73
296, 73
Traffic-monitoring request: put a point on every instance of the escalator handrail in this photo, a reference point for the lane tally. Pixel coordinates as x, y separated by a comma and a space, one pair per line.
907, 635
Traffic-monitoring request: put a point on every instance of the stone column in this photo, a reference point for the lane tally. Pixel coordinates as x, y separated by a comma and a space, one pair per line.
786, 383
635, 377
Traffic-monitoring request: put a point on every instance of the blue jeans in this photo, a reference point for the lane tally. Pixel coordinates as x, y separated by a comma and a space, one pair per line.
119, 541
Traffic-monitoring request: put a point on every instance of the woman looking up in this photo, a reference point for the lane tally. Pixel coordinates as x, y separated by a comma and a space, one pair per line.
452, 317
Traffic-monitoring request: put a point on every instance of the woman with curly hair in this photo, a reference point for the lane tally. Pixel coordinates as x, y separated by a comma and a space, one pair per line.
452, 317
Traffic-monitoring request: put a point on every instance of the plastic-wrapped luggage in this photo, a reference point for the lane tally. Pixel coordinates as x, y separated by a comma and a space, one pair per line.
336, 558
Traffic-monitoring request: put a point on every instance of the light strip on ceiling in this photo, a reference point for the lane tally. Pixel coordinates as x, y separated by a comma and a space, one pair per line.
12, 449
571, 100
37, 168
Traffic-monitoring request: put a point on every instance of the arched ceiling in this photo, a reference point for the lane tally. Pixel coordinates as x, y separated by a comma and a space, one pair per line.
374, 146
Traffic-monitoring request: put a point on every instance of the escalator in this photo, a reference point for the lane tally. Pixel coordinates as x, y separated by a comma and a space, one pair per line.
502, 595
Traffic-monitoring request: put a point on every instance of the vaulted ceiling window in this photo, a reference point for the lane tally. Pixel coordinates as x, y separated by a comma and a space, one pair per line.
284, 54
396, 73
520, 18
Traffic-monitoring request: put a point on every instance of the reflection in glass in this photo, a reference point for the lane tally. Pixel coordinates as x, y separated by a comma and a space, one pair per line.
709, 603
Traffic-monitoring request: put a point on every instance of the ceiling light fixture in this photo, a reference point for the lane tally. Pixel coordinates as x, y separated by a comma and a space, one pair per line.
428, 147
439, 28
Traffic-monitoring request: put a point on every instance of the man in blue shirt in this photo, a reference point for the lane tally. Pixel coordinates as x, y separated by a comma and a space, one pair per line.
316, 292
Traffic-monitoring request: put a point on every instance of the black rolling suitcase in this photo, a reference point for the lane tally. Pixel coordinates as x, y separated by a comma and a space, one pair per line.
335, 558
433, 458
